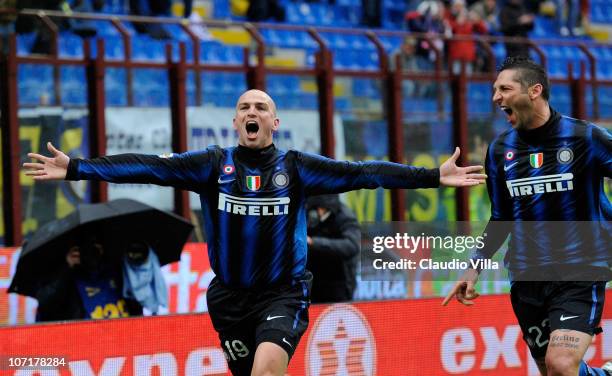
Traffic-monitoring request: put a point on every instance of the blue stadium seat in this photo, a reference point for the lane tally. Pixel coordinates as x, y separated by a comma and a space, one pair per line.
308, 101
348, 15
115, 6
35, 81
605, 101
342, 104
105, 29
115, 87
557, 68
232, 83
335, 40
310, 57
150, 87
190, 88
391, 43
369, 60
25, 43
603, 70
145, 48
217, 54
282, 84
272, 37
301, 13
211, 83
597, 13
113, 48
70, 45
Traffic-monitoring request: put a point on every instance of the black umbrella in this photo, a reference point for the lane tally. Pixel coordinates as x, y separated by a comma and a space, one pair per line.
115, 223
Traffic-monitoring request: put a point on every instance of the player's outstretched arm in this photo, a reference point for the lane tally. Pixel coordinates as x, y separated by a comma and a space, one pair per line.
452, 175
48, 168
464, 289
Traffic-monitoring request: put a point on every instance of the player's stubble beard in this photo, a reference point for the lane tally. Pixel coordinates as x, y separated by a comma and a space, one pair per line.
524, 110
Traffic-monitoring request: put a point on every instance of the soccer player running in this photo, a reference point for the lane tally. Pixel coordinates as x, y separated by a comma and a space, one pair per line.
253, 202
546, 169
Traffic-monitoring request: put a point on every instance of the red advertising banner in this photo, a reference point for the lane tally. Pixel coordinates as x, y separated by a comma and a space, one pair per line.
392, 338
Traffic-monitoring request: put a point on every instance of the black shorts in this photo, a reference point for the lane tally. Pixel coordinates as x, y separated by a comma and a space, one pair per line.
245, 318
543, 307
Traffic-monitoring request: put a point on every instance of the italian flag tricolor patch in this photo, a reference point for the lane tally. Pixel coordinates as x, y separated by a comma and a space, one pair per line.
253, 182
536, 160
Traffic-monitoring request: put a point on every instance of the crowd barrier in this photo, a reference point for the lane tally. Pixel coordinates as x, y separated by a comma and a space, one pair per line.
392, 338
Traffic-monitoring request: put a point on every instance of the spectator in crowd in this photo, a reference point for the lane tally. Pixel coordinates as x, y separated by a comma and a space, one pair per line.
142, 277
462, 25
516, 21
262, 10
151, 8
532, 6
371, 13
333, 249
43, 42
567, 17
487, 12
412, 62
7, 23
428, 19
88, 286
84, 28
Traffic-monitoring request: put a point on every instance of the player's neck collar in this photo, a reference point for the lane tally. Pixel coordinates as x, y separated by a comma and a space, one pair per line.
251, 154
543, 131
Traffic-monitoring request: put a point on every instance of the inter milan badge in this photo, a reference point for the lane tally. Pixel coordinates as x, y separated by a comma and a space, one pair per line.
280, 179
565, 155
536, 160
253, 182
228, 169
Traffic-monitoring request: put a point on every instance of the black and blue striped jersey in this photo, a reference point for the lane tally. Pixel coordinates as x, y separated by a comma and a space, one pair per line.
253, 201
546, 184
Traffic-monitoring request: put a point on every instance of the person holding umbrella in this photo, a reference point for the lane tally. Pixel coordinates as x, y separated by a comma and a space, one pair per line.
253, 202
87, 286
100, 261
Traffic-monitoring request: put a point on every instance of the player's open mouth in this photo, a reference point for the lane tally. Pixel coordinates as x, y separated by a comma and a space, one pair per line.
509, 112
252, 128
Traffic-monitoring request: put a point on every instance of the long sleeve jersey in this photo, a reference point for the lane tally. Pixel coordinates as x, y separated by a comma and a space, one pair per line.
253, 201
546, 184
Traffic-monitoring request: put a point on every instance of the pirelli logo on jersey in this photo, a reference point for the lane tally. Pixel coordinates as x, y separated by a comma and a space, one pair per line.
253, 206
540, 184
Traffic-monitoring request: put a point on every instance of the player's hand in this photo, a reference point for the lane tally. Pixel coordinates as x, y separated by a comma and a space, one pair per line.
464, 289
452, 175
48, 168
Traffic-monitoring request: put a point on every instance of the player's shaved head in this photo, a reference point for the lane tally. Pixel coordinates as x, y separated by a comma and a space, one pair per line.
257, 96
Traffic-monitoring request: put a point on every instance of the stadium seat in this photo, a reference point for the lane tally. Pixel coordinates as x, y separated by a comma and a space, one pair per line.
215, 53
35, 84
282, 84
391, 43
342, 104
105, 29
25, 43
70, 45
145, 48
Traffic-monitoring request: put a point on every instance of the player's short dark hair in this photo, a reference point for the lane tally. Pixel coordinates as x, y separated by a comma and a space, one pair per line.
528, 74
